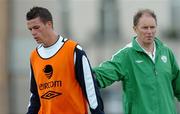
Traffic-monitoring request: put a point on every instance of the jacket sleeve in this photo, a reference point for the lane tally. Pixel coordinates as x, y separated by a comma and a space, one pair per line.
34, 103
176, 75
112, 70
87, 82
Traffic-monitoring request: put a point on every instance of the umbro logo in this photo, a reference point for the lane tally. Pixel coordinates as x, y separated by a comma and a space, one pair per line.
139, 61
50, 95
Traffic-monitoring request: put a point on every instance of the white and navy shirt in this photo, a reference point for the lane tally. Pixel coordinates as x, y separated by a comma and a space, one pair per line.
83, 75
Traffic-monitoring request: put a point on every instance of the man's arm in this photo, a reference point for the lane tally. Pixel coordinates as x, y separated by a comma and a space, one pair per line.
87, 82
34, 103
112, 70
176, 76
176, 85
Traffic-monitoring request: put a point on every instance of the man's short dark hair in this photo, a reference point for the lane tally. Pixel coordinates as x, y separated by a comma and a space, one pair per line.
140, 13
40, 12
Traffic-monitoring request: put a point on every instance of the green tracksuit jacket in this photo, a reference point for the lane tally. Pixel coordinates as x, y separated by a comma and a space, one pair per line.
148, 87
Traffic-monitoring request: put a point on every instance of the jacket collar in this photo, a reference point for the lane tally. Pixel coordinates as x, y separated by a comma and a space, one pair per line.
137, 47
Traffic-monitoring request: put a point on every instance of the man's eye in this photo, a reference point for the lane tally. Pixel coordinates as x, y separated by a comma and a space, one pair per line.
152, 27
36, 27
145, 27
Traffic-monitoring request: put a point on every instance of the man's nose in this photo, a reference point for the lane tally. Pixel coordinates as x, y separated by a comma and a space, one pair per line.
149, 30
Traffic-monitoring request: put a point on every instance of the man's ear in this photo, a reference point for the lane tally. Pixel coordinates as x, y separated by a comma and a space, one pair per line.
134, 28
49, 23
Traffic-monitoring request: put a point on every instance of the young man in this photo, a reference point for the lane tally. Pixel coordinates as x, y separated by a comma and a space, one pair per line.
61, 77
147, 68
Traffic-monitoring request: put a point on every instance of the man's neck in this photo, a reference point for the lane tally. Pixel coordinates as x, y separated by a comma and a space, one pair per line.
51, 39
149, 47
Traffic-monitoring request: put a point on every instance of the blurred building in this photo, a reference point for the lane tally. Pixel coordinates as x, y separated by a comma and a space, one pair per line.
4, 84
98, 25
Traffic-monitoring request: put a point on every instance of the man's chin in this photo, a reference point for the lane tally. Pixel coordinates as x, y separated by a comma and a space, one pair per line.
38, 42
149, 41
